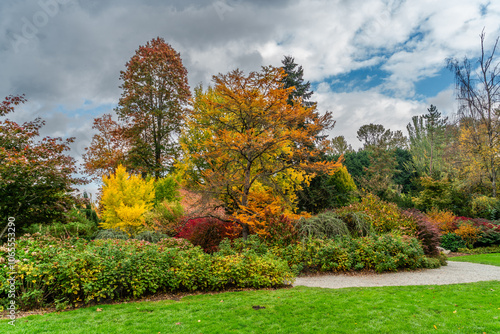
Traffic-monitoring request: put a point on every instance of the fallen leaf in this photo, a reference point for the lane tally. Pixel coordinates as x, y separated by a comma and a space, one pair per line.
99, 310
435, 327
221, 301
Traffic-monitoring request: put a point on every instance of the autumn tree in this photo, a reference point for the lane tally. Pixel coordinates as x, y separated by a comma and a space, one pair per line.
153, 105
124, 201
478, 91
247, 147
36, 176
108, 148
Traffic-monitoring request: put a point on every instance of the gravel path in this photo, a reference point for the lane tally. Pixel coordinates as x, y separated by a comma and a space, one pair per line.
454, 272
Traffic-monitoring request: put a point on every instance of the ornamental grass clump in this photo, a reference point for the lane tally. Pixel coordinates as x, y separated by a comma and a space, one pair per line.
325, 225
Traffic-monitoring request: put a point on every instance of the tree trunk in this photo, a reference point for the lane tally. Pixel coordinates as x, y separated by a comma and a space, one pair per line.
245, 232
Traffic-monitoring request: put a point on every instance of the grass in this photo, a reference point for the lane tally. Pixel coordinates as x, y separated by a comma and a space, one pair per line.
460, 308
493, 259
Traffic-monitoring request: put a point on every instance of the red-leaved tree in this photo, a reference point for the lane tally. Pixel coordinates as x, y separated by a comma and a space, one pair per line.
36, 176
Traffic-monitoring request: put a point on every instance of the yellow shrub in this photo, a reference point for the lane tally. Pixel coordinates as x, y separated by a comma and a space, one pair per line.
124, 201
468, 233
443, 220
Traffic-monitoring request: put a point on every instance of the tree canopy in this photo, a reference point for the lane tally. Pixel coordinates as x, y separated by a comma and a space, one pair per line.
36, 175
152, 106
247, 146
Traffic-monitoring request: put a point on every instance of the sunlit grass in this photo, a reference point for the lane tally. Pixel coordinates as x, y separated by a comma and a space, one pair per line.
493, 259
460, 308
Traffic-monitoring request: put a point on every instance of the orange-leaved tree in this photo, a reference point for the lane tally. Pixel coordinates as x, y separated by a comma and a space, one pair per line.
246, 146
108, 148
152, 106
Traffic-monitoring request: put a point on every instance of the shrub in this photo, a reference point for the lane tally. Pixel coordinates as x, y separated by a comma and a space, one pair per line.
280, 231
208, 232
384, 217
167, 189
386, 253
174, 243
165, 217
426, 232
452, 242
481, 250
485, 207
444, 220
70, 271
357, 223
77, 226
150, 236
380, 253
490, 232
112, 234
124, 201
469, 233
325, 225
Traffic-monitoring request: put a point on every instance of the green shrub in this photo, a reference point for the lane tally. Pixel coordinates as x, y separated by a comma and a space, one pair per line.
325, 225
112, 234
61, 272
165, 217
485, 207
357, 223
76, 226
150, 236
167, 189
386, 253
480, 250
452, 242
380, 253
174, 243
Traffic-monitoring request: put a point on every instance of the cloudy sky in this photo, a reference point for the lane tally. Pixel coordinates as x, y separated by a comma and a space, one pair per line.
369, 61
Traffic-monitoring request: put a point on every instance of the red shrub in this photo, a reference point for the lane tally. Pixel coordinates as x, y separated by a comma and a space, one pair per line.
426, 232
208, 232
280, 231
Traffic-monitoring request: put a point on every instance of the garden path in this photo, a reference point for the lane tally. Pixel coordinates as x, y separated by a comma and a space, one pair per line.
453, 273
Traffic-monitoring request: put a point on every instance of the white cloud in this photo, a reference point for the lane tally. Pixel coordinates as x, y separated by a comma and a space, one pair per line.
78, 54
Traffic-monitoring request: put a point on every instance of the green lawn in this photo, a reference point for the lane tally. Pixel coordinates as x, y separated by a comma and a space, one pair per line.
493, 259
461, 308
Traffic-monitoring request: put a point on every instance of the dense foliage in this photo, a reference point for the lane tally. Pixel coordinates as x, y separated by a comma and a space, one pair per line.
125, 200
36, 176
73, 271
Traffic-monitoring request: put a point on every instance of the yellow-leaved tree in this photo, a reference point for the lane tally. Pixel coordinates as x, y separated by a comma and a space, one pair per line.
124, 201
246, 146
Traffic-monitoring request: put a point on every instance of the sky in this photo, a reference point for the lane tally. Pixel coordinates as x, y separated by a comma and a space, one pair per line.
368, 61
